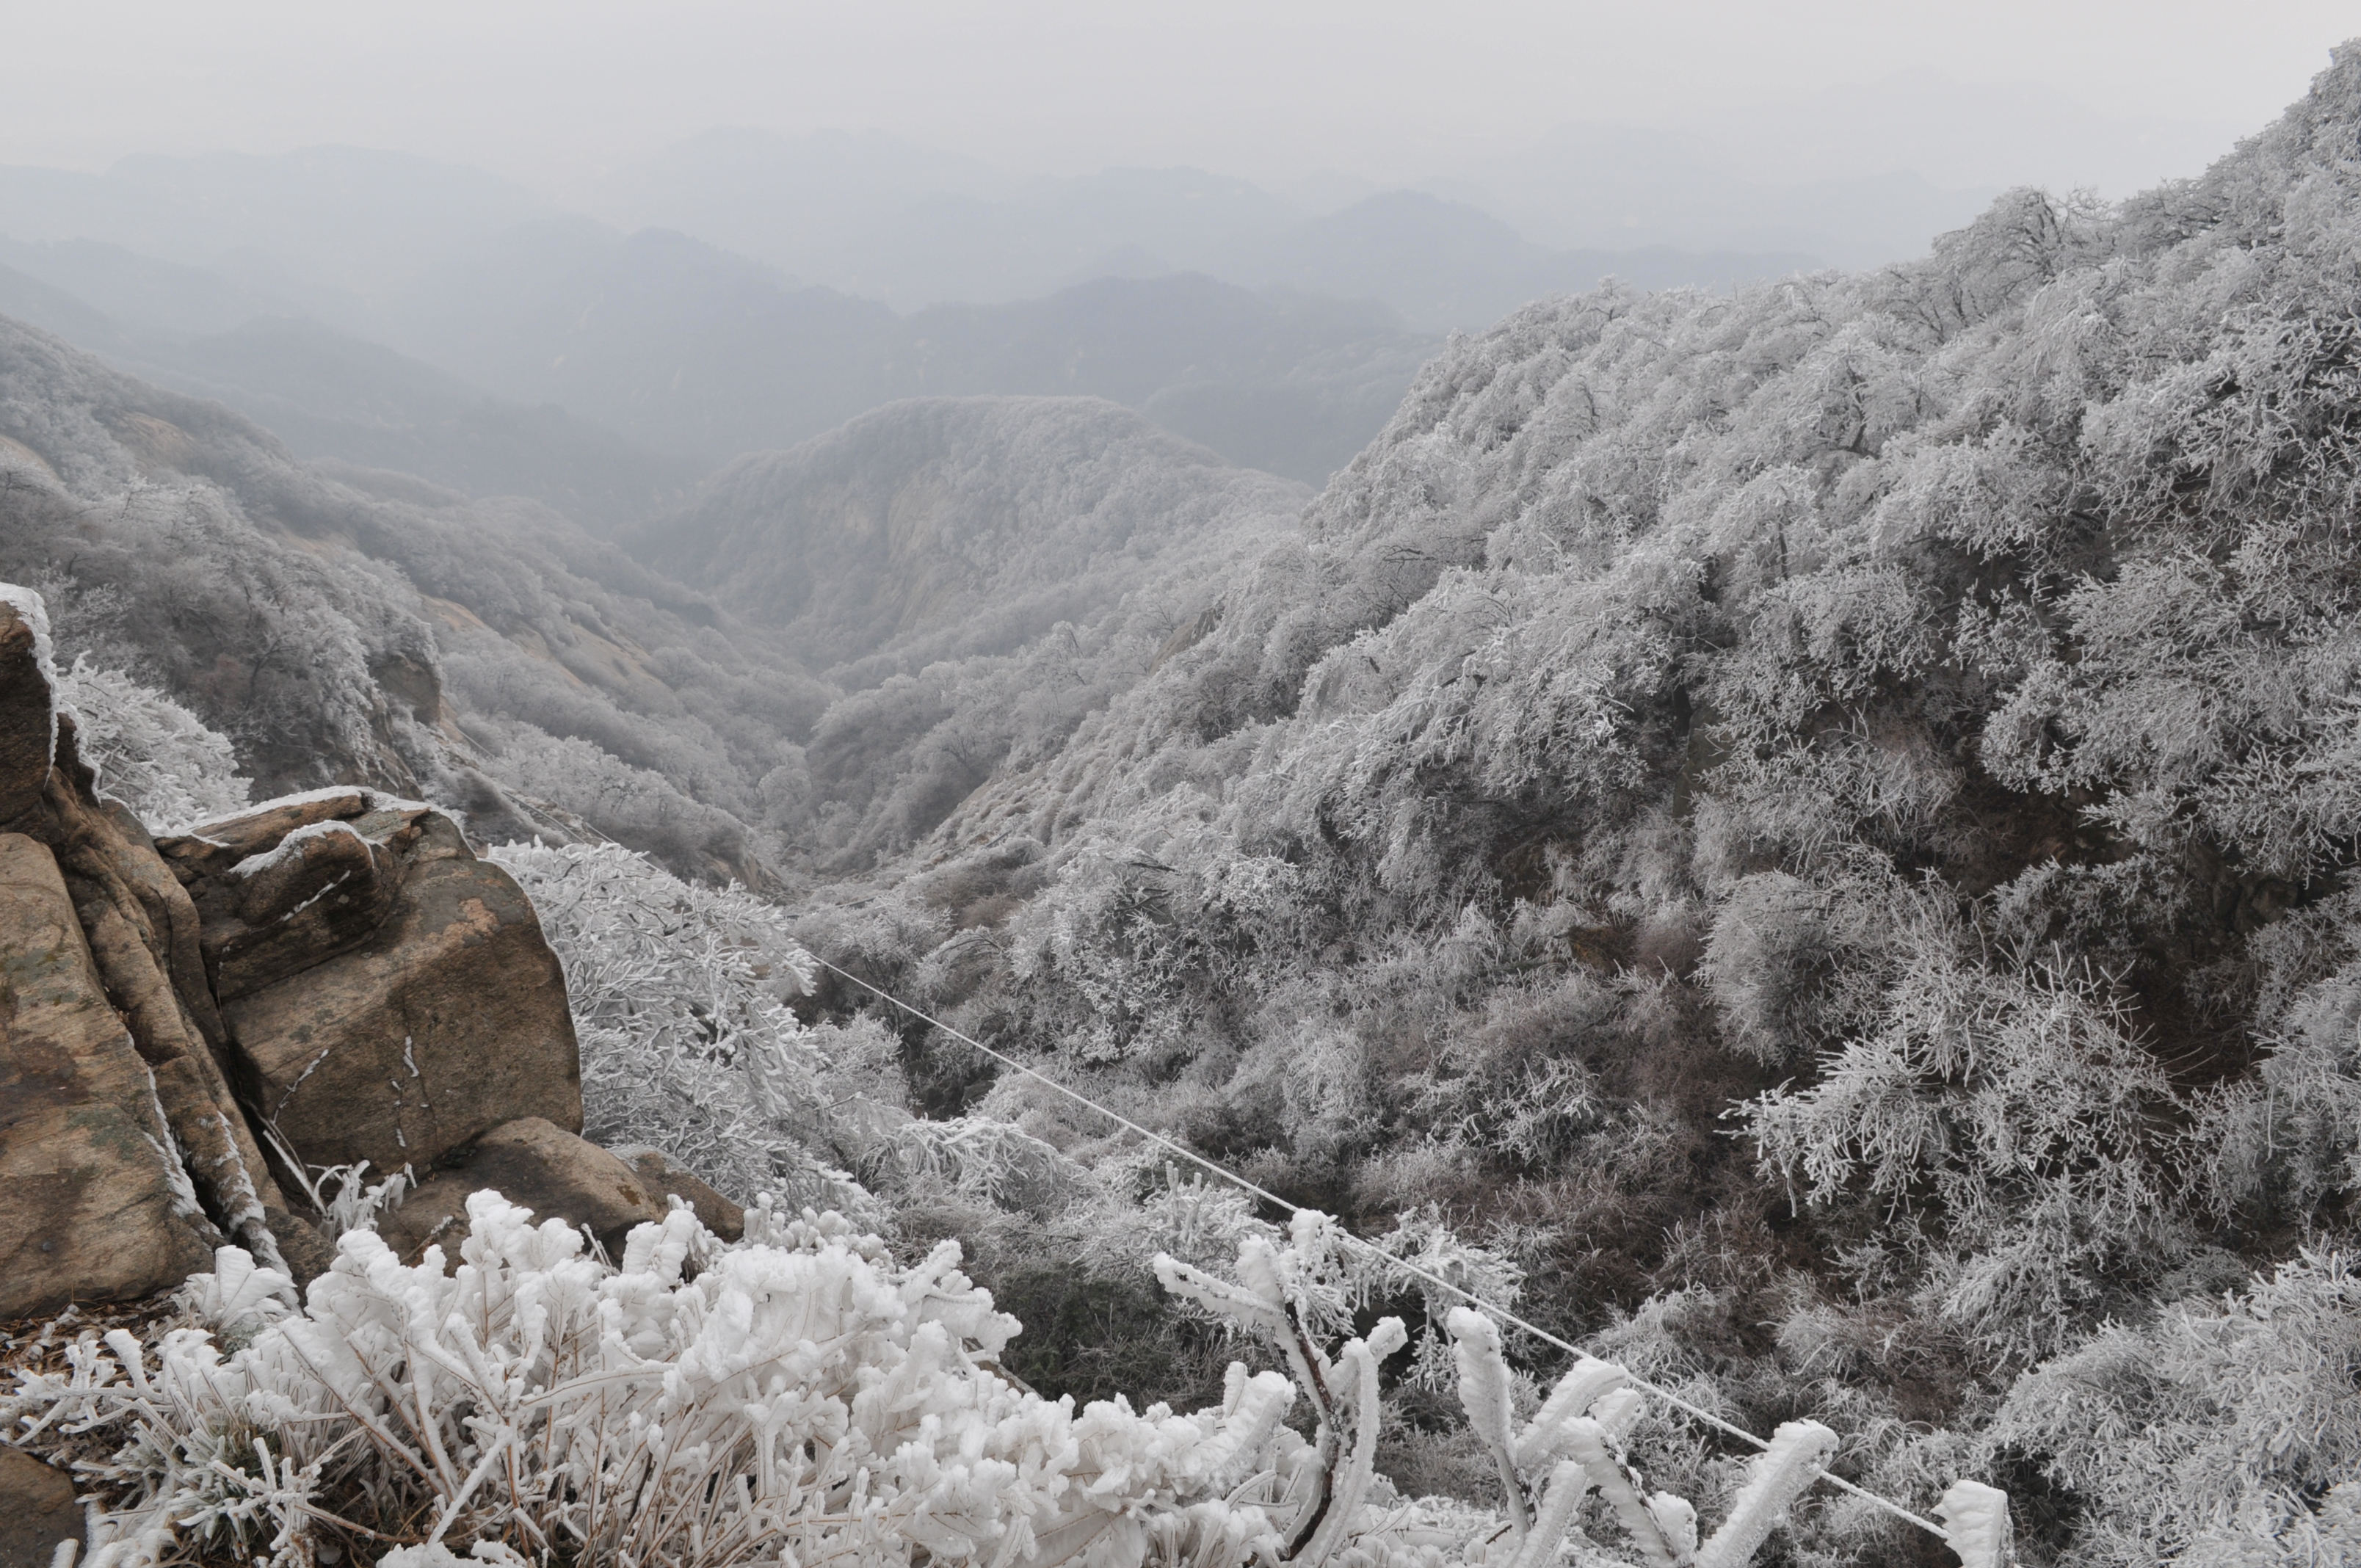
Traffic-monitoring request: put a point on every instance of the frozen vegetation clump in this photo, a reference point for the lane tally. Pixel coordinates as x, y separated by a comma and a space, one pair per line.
680, 996
149, 752
796, 1397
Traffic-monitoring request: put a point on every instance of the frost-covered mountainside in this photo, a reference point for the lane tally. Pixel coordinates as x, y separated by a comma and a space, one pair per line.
367, 627
978, 575
1821, 821
944, 526
349, 624
1804, 837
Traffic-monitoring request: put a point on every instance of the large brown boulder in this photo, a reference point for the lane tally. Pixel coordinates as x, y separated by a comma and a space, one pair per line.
292, 882
537, 1165
668, 1180
390, 995
336, 971
94, 1203
138, 940
143, 934
36, 1511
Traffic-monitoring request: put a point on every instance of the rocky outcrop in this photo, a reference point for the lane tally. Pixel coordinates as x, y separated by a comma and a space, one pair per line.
335, 974
391, 995
542, 1167
89, 1204
36, 1511
668, 1180
28, 734
124, 1154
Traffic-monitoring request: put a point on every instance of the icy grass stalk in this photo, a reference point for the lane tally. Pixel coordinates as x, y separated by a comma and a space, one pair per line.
1483, 1395
1587, 1381
1567, 1487
1781, 1472
1588, 1442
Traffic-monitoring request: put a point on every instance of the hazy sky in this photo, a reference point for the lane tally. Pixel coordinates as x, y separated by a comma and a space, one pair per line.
551, 91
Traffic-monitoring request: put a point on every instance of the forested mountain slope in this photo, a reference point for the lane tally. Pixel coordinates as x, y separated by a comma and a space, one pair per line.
947, 526
370, 628
1822, 818
977, 574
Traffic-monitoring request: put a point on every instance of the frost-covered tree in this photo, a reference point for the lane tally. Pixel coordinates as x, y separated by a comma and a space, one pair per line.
149, 752
680, 994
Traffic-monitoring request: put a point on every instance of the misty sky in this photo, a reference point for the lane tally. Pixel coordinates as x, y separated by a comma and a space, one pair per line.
553, 91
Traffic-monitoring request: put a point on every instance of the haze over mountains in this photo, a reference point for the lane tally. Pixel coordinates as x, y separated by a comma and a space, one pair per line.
602, 347
741, 291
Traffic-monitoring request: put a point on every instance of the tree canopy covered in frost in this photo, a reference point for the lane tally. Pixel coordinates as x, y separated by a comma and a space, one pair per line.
1825, 808
149, 752
680, 997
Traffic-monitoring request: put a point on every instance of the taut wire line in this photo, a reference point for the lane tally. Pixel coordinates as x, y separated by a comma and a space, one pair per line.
1267, 1195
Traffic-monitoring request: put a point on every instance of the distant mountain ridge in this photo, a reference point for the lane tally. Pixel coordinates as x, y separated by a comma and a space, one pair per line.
706, 353
946, 527
1447, 264
338, 217
1232, 315
330, 396
934, 229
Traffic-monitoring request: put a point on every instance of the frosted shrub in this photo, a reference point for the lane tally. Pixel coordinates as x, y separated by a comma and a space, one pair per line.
150, 754
797, 1398
2287, 1141
679, 998
1999, 1118
2222, 1432
800, 1399
634, 804
1137, 942
984, 1160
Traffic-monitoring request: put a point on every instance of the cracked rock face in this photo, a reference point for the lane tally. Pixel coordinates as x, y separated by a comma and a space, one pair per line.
390, 995
90, 1205
335, 971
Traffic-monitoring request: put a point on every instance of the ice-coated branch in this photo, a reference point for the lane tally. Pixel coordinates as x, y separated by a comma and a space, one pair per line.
1253, 1413
1584, 1384
1568, 1484
1350, 1484
1247, 1307
1484, 1393
1781, 1470
1677, 1517
1587, 1440
1976, 1524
